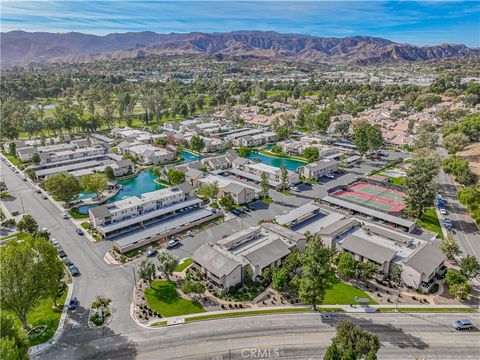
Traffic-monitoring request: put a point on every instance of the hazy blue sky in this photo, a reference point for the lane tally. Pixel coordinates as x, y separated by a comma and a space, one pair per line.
419, 23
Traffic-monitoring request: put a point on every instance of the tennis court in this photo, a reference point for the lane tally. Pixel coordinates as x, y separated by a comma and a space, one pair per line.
374, 196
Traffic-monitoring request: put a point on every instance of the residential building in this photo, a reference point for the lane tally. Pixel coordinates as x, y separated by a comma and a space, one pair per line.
253, 171
147, 154
240, 194
318, 169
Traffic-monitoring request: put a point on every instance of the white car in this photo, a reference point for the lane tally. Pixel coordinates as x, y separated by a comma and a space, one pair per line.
54, 242
294, 188
443, 211
329, 175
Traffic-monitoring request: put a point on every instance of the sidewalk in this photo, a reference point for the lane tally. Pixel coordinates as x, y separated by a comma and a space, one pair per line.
37, 349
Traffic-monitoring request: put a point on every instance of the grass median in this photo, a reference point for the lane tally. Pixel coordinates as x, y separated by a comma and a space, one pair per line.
257, 312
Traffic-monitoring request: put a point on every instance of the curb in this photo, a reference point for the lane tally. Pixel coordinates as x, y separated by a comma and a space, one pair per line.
38, 349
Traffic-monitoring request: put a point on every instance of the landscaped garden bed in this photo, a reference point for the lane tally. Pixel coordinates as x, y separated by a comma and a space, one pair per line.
100, 312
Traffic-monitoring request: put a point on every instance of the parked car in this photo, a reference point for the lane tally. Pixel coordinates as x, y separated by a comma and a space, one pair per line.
54, 242
443, 211
67, 261
329, 175
39, 191
448, 224
79, 231
62, 253
151, 251
44, 229
295, 188
244, 208
172, 243
44, 197
65, 216
74, 270
462, 324
251, 207
234, 211
73, 303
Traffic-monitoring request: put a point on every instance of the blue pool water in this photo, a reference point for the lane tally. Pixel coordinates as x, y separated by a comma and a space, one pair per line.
189, 157
142, 183
277, 162
85, 195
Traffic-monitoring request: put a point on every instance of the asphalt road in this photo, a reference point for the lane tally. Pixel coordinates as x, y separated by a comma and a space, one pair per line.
287, 336
466, 231
97, 278
282, 336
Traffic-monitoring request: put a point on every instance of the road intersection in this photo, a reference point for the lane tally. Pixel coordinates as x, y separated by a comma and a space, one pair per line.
290, 336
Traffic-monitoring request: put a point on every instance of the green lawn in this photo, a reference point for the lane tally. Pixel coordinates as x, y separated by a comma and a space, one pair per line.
159, 323
397, 181
76, 215
248, 313
186, 263
344, 294
429, 221
46, 314
162, 297
19, 235
85, 225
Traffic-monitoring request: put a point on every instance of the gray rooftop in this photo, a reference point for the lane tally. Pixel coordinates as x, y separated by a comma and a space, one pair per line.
100, 211
368, 249
215, 260
233, 188
425, 259
283, 231
267, 254
162, 227
297, 213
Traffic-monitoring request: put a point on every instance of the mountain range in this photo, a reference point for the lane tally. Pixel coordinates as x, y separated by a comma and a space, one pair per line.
23, 48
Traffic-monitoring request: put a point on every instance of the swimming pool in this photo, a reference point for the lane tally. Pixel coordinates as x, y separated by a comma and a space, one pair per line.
189, 157
143, 183
291, 164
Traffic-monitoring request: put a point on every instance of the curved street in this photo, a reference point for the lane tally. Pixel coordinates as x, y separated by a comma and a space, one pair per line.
288, 336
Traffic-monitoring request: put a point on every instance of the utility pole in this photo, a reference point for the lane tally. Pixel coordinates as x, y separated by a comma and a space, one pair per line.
134, 276
21, 201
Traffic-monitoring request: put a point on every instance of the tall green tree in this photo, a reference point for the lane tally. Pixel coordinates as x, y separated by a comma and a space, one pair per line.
63, 187
175, 176
346, 265
360, 137
167, 263
318, 275
449, 247
311, 153
95, 183
366, 270
30, 271
109, 172
146, 270
197, 143
36, 159
283, 177
28, 224
264, 186
420, 186
352, 343
13, 343
470, 267
457, 284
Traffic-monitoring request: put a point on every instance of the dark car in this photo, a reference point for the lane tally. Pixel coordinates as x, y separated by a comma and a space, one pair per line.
79, 231
62, 253
44, 197
74, 270
73, 303
250, 207
67, 261
151, 252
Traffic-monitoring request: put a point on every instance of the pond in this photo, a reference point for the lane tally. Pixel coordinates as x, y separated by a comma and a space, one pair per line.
143, 183
189, 157
291, 164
